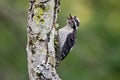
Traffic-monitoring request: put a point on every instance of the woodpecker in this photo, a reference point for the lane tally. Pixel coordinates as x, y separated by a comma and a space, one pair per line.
67, 36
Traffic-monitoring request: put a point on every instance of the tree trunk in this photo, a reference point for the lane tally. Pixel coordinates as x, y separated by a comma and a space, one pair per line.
42, 17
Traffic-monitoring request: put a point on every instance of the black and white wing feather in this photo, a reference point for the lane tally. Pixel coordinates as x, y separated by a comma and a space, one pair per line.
69, 43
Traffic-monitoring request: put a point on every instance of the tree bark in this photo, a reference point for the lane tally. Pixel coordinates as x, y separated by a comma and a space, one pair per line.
41, 30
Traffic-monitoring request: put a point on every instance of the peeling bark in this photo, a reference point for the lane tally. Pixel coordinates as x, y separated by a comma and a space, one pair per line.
41, 29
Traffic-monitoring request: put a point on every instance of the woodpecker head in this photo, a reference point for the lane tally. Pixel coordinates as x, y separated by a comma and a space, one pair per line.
73, 22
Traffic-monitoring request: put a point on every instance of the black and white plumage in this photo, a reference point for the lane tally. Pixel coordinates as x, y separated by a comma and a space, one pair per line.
67, 36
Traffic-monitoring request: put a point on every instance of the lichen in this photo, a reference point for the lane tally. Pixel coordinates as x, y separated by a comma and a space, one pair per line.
56, 25
38, 12
39, 9
42, 21
55, 41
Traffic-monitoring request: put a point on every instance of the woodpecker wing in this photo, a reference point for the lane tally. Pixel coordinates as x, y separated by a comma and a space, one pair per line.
69, 43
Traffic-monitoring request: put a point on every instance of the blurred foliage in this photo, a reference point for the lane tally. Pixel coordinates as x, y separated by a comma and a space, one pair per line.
96, 55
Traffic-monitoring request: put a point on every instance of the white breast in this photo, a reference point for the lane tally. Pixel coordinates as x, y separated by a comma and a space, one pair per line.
63, 33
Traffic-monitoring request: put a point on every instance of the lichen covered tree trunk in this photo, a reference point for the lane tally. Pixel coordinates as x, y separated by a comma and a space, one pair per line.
42, 17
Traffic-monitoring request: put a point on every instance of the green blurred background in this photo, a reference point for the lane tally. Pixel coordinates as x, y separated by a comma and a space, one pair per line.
96, 55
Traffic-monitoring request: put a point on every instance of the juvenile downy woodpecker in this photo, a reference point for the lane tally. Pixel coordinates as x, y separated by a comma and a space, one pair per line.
67, 36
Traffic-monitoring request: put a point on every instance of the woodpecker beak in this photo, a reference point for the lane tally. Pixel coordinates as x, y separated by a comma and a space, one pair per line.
70, 16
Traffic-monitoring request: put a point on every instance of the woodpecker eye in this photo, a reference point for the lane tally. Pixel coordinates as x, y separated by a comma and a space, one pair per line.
73, 21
